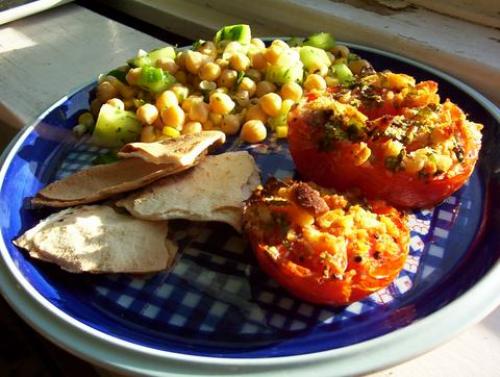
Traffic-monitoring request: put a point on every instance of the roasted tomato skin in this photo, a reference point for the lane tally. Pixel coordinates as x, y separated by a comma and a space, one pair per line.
307, 287
337, 168
296, 268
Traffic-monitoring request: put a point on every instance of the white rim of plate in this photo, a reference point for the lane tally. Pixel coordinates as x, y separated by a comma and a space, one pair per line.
124, 356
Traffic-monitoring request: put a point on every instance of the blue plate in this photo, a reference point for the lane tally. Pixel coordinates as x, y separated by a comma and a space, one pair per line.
216, 311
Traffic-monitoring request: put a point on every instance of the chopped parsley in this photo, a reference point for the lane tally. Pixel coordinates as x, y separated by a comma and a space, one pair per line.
370, 97
394, 162
332, 131
198, 43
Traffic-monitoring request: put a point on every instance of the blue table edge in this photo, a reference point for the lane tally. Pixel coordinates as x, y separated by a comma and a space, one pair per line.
122, 356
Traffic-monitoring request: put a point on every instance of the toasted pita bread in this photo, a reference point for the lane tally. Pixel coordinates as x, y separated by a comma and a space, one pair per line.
98, 239
183, 150
102, 181
212, 191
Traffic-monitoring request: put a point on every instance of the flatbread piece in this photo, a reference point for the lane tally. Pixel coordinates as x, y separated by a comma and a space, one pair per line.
212, 191
98, 239
183, 150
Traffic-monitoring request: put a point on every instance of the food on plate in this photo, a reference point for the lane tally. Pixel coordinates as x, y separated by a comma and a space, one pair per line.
349, 128
182, 151
98, 239
409, 150
102, 181
222, 84
325, 247
214, 190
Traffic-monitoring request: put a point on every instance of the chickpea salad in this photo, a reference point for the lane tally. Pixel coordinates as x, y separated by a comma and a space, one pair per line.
234, 83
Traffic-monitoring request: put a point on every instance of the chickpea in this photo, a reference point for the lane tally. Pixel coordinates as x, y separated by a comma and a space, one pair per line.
227, 78
292, 91
106, 91
314, 82
167, 65
180, 91
271, 104
210, 71
188, 102
209, 49
258, 60
181, 77
148, 134
215, 118
180, 59
264, 87
221, 103
253, 131
147, 113
222, 89
248, 85
199, 112
242, 97
272, 54
222, 63
239, 62
259, 43
191, 128
133, 75
341, 51
124, 90
207, 86
173, 116
166, 99
254, 74
230, 124
117, 103
359, 66
232, 46
255, 112
278, 43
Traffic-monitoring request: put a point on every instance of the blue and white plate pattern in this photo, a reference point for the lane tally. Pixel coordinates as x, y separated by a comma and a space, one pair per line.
216, 302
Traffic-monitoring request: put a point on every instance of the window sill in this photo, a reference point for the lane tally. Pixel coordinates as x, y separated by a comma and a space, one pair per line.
463, 49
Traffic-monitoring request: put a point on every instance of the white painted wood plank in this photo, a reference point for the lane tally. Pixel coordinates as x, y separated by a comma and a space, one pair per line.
46, 56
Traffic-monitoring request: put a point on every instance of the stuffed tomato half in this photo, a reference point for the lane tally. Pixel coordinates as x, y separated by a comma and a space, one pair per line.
323, 247
386, 136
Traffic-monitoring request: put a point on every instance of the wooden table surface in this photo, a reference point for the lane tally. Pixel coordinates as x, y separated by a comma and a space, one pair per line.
46, 56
